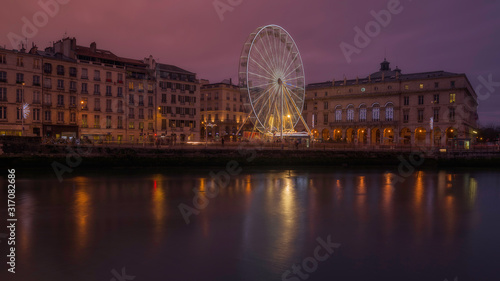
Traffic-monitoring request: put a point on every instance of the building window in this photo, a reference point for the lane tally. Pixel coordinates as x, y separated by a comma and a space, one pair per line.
48, 115
141, 87
19, 95
3, 94
36, 80
3, 112
421, 86
84, 103
376, 113
420, 100
108, 77
131, 125
406, 116
3, 76
305, 105
120, 122
108, 91
120, 106
72, 101
60, 117
350, 114
97, 104
72, 117
436, 99
97, 89
389, 113
436, 114
47, 99
84, 121
420, 115
407, 87
85, 74
60, 70
150, 101
3, 59
452, 84
97, 75
120, 77
338, 115
452, 114
150, 126
119, 92
60, 100
325, 105
108, 122
36, 114
20, 62
362, 114
19, 78
47, 68
453, 98
325, 119
436, 85
72, 86
97, 121
406, 100
84, 88
60, 84
36, 97
130, 86
72, 71
19, 113
108, 105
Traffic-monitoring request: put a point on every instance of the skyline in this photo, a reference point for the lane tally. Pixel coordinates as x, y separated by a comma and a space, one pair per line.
423, 36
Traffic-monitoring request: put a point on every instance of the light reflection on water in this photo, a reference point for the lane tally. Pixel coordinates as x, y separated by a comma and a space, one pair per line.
431, 224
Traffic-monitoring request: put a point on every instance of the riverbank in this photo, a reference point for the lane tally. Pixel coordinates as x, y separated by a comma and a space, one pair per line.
109, 157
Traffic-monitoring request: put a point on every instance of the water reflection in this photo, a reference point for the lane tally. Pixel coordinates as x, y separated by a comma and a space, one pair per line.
82, 214
260, 224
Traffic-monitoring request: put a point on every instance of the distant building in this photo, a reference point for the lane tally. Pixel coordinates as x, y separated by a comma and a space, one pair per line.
222, 107
85, 92
389, 107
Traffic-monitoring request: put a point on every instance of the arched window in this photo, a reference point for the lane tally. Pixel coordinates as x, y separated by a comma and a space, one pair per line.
362, 113
338, 114
389, 112
350, 113
376, 112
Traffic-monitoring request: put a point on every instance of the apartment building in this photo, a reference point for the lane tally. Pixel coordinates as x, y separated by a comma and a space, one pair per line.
222, 111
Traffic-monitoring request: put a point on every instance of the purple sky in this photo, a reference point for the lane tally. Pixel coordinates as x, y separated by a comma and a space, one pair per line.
428, 35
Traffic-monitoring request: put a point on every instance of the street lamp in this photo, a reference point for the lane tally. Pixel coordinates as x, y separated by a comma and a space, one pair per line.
22, 109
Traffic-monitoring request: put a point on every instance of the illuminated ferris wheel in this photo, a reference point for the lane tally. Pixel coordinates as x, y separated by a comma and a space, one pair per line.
271, 77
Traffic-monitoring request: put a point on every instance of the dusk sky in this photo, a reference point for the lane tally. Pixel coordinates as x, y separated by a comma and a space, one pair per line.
455, 36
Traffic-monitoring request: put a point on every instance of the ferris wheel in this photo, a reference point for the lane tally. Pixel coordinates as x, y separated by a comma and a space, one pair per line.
271, 77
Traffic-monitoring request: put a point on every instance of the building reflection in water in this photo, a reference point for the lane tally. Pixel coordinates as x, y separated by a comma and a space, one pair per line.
82, 213
25, 210
159, 208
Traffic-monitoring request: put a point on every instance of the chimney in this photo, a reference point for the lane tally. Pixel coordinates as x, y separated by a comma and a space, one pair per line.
357, 80
370, 78
333, 82
34, 49
93, 47
231, 81
345, 81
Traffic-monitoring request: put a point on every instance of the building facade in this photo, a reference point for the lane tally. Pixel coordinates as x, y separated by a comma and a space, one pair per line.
389, 107
90, 93
222, 111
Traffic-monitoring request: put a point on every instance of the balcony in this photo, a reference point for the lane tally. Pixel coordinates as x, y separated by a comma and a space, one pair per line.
3, 80
36, 84
85, 77
97, 126
141, 116
109, 80
97, 93
73, 90
72, 105
85, 92
47, 103
120, 111
97, 109
120, 81
109, 110
97, 79
131, 116
85, 108
119, 127
141, 103
109, 94
60, 105
60, 73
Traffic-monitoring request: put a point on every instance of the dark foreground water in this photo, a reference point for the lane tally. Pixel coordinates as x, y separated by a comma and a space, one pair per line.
116, 225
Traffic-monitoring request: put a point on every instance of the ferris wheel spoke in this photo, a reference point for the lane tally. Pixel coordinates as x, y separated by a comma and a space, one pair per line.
291, 62
262, 76
262, 95
263, 43
269, 69
293, 70
269, 106
258, 86
272, 48
292, 92
284, 56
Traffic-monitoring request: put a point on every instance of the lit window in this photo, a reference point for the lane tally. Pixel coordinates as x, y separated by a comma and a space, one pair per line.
452, 98
421, 86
